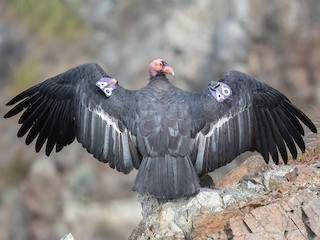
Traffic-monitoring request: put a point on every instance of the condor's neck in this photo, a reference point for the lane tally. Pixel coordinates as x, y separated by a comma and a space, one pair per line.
159, 82
159, 76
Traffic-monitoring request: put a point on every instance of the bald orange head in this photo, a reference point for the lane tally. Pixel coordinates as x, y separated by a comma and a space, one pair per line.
159, 66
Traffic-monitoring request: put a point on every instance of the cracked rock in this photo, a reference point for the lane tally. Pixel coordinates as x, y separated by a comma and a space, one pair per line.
277, 202
173, 219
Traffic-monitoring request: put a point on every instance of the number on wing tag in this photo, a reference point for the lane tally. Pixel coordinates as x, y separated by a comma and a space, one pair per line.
105, 86
220, 91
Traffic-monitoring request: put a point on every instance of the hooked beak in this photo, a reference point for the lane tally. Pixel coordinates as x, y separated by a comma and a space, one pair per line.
167, 69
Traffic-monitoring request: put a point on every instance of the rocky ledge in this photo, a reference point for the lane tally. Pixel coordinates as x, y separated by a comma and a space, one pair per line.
254, 201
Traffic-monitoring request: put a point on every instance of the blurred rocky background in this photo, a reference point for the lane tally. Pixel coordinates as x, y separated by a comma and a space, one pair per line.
278, 42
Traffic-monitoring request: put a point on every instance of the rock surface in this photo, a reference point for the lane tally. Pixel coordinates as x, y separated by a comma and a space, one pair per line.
256, 201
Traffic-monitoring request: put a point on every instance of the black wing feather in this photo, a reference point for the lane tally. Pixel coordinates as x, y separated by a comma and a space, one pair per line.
293, 119
263, 142
270, 138
294, 110
65, 119
276, 134
38, 125
70, 106
281, 120
25, 94
255, 118
45, 129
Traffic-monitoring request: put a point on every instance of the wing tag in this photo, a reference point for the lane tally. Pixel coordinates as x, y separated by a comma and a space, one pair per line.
220, 91
107, 85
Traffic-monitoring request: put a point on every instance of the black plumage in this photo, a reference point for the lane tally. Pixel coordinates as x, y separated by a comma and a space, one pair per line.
170, 135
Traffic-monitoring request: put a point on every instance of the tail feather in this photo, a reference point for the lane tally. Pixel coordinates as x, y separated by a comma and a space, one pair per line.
167, 177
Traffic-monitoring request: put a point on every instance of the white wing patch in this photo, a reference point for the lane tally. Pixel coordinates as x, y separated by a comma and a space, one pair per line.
104, 116
218, 125
97, 110
100, 135
218, 130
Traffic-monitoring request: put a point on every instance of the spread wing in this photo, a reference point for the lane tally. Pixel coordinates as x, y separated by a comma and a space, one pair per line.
255, 117
70, 106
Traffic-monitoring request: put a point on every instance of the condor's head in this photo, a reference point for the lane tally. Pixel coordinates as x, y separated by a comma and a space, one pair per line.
159, 66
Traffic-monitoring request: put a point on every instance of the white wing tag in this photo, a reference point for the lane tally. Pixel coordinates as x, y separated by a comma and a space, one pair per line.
220, 91
107, 85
